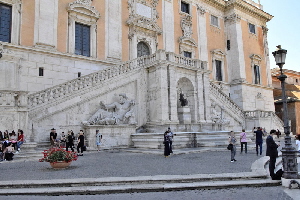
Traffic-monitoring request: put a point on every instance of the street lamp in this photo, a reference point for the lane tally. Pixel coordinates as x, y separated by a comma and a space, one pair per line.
289, 154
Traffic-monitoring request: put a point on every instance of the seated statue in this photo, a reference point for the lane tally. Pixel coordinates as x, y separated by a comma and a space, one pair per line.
183, 101
120, 112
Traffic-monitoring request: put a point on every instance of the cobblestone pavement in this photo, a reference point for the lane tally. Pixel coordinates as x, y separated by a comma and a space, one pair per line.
263, 193
122, 164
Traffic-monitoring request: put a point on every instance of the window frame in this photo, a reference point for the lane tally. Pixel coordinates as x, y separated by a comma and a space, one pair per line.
86, 15
252, 28
257, 75
216, 20
146, 45
82, 53
15, 19
218, 70
188, 7
187, 54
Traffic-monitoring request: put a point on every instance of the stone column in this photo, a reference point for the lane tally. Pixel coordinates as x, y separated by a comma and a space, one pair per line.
173, 98
45, 28
202, 36
168, 26
235, 56
200, 98
206, 95
113, 29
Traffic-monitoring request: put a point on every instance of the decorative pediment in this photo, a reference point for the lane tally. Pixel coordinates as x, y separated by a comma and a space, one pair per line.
83, 7
218, 54
255, 59
144, 22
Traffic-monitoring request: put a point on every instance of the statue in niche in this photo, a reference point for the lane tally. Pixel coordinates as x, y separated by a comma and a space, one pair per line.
119, 112
183, 101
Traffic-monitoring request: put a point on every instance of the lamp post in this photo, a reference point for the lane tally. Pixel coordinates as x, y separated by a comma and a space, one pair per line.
289, 158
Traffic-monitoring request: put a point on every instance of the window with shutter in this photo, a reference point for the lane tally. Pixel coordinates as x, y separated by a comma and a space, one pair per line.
5, 22
185, 7
82, 39
219, 70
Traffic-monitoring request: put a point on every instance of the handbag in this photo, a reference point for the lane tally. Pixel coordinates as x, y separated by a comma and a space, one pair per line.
230, 146
84, 148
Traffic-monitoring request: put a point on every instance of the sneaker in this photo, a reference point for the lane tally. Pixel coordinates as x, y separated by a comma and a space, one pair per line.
232, 161
17, 151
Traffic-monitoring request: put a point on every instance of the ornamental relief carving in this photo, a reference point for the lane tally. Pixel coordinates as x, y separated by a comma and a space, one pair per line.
233, 18
186, 39
146, 21
83, 7
201, 10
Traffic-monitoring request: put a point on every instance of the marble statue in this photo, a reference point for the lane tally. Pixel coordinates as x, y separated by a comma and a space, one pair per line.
119, 112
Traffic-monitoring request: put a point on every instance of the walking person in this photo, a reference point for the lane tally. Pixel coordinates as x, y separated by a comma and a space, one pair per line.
259, 140
243, 140
272, 152
98, 139
69, 141
167, 144
80, 143
232, 140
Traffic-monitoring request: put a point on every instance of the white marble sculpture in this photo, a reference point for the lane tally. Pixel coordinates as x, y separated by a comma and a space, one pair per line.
120, 112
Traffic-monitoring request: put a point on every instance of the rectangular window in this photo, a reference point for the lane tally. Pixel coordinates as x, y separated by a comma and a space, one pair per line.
185, 7
228, 45
82, 39
5, 23
256, 74
219, 70
41, 71
252, 28
187, 54
214, 21
79, 74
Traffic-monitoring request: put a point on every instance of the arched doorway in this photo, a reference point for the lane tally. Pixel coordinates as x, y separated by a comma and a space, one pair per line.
142, 49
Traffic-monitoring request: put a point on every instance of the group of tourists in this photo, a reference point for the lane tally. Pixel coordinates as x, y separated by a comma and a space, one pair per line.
69, 141
10, 143
271, 150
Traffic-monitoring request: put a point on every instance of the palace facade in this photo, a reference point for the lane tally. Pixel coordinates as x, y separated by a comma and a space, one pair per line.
61, 58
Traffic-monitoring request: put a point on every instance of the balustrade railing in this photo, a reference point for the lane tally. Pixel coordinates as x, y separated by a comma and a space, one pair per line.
50, 94
227, 102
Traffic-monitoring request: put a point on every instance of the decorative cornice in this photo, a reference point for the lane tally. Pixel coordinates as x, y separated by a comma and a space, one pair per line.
247, 8
83, 2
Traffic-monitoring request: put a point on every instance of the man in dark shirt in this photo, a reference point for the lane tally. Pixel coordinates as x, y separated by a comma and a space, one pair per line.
53, 136
272, 152
259, 140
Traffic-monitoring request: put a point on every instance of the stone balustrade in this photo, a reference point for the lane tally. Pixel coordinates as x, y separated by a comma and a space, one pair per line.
227, 102
66, 89
13, 98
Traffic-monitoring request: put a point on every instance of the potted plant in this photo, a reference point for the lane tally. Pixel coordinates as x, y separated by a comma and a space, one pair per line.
58, 157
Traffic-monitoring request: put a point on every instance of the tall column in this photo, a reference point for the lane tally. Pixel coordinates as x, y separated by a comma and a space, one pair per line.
168, 26
173, 98
235, 56
202, 35
113, 29
206, 95
45, 27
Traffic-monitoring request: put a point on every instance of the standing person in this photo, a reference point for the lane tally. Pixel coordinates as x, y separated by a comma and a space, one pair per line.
63, 140
69, 141
272, 152
278, 133
298, 142
232, 140
171, 136
259, 140
80, 143
98, 139
52, 137
20, 140
167, 144
243, 140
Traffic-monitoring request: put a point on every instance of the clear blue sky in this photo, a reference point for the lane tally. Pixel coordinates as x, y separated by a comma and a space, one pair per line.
284, 30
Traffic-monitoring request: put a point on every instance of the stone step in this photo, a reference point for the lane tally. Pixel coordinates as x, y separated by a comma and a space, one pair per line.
80, 188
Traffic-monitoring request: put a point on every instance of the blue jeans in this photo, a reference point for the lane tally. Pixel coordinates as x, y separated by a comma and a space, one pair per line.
260, 147
19, 144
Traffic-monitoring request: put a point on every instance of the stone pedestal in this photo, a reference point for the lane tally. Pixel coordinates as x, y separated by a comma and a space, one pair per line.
184, 115
112, 135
